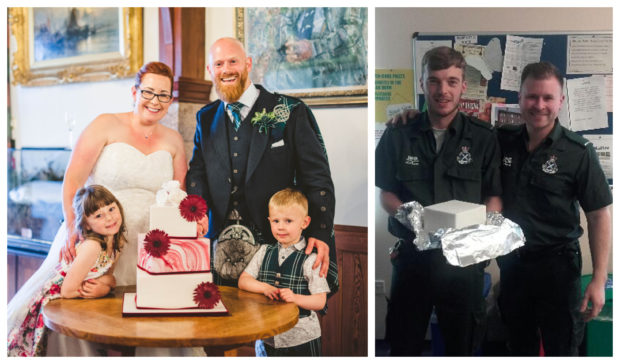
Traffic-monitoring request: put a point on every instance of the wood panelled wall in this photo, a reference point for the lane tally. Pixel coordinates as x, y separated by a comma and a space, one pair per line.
345, 327
19, 269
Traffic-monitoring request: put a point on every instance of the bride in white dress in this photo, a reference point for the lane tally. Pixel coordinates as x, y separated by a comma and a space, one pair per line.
131, 154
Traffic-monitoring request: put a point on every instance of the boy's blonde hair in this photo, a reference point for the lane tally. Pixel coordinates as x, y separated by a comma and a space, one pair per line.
288, 197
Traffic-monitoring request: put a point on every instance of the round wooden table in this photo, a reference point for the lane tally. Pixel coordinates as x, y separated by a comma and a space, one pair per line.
251, 317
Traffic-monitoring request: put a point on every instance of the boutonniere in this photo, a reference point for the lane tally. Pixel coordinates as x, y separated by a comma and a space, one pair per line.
275, 119
266, 120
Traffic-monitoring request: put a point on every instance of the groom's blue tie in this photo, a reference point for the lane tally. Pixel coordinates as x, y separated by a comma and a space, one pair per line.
235, 110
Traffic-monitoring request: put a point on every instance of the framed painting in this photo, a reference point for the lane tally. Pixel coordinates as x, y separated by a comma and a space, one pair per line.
317, 54
63, 45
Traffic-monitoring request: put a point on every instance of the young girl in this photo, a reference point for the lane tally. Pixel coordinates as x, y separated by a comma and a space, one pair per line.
100, 220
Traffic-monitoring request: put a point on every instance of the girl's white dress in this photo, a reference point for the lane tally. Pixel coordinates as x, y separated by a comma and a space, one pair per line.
134, 178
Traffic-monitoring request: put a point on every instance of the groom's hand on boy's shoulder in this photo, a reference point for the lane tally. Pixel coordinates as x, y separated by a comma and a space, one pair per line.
322, 255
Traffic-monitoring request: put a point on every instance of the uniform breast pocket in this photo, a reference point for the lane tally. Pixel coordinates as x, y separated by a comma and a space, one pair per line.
465, 183
417, 180
549, 192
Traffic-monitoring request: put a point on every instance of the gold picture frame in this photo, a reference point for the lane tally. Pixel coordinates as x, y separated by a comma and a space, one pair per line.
271, 50
122, 64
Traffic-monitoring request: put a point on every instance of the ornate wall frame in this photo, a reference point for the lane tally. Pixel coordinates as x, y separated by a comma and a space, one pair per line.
25, 73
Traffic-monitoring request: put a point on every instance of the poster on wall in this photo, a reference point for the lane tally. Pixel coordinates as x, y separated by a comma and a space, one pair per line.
602, 144
393, 92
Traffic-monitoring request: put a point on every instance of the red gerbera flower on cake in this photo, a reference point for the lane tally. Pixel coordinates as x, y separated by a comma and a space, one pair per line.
206, 295
193, 208
156, 243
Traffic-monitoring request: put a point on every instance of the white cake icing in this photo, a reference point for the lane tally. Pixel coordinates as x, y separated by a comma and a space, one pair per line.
168, 282
165, 214
168, 291
169, 219
453, 214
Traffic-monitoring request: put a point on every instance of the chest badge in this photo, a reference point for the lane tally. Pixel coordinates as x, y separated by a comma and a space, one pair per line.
550, 166
412, 160
507, 161
464, 156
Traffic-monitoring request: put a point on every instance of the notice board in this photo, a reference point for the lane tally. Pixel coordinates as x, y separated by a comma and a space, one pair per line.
582, 58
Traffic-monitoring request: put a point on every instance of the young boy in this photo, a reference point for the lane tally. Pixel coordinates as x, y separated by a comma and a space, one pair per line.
283, 271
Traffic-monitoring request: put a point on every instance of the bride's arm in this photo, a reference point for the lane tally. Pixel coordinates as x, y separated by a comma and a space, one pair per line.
83, 159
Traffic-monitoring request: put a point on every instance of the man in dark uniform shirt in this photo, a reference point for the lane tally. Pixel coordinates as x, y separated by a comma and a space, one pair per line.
547, 173
439, 156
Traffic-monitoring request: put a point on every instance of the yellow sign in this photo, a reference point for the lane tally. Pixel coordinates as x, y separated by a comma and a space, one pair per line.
393, 92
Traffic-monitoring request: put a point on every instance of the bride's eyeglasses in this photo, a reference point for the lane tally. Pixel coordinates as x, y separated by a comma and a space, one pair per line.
148, 95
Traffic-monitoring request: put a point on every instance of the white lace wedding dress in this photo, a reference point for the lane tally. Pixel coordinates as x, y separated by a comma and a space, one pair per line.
133, 178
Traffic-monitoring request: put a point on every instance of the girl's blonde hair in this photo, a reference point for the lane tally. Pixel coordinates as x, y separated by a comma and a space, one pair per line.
86, 202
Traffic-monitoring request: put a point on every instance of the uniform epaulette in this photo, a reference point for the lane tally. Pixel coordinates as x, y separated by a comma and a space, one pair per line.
478, 122
509, 128
576, 138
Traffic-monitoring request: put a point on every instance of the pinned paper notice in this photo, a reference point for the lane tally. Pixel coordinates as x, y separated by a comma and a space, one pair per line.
603, 145
478, 63
465, 39
586, 103
563, 115
589, 54
609, 86
493, 55
520, 51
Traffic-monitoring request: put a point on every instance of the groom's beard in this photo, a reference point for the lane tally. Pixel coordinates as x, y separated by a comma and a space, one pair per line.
231, 92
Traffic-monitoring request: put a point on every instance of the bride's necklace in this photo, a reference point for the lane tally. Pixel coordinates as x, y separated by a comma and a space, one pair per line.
148, 135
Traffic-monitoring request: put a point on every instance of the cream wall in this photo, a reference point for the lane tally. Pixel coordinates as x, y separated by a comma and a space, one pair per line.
393, 47
38, 114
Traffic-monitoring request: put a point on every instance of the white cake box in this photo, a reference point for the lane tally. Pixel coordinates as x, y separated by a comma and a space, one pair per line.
169, 219
453, 214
